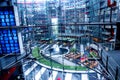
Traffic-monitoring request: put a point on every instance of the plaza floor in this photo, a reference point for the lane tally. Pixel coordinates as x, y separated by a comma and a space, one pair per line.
34, 71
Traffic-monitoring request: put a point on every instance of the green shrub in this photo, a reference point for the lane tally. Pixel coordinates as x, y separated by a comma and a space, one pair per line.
73, 50
47, 62
92, 54
35, 52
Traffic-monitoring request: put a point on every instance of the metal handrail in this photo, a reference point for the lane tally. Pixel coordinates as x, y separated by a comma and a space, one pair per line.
117, 66
15, 57
5, 55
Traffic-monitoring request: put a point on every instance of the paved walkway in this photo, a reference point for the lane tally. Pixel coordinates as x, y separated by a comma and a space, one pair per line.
42, 73
116, 56
58, 58
61, 59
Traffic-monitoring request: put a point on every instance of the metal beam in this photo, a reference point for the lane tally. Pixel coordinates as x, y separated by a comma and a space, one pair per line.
75, 24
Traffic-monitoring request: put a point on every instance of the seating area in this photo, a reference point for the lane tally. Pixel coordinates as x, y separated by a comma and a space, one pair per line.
81, 59
72, 56
91, 64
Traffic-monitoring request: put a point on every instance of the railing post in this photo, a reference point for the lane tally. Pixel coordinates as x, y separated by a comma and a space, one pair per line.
15, 57
111, 14
0, 66
116, 75
25, 48
107, 64
101, 54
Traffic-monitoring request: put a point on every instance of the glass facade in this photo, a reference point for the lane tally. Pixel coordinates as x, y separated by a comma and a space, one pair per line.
62, 39
99, 11
33, 13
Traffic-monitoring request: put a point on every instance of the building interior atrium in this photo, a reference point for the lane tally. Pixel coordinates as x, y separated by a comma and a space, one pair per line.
59, 39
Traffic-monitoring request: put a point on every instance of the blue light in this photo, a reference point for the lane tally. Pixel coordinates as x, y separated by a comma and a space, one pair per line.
11, 41
3, 20
11, 45
1, 38
30, 28
15, 38
9, 31
5, 38
6, 12
7, 20
8, 51
2, 16
8, 24
12, 24
11, 12
3, 45
4, 49
6, 16
4, 31
10, 38
16, 45
1, 12
12, 20
11, 16
15, 34
12, 49
5, 34
16, 41
9, 34
6, 41
3, 24
14, 31
7, 45
2, 42
16, 48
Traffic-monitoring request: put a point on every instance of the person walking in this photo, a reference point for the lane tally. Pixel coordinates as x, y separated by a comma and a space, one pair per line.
58, 78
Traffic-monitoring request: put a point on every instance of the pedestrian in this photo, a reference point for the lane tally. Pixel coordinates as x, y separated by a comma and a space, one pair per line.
49, 73
58, 78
